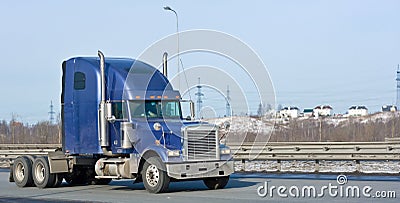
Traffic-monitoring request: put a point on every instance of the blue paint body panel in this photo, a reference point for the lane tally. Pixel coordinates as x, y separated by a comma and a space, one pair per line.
126, 79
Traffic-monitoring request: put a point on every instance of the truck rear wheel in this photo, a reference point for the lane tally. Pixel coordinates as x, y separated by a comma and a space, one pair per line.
22, 172
78, 177
216, 183
41, 173
103, 181
58, 179
154, 175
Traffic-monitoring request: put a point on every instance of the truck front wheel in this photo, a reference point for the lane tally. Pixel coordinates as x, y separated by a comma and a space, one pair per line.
216, 183
22, 172
154, 175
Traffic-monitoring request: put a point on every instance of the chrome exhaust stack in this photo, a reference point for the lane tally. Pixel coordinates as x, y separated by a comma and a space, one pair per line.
103, 139
165, 61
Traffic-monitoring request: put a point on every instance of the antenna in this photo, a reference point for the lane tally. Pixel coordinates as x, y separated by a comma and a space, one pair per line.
51, 112
187, 83
199, 100
228, 102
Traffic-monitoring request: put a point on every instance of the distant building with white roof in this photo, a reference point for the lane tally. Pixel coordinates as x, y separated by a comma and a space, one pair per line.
308, 113
289, 112
323, 110
358, 111
387, 108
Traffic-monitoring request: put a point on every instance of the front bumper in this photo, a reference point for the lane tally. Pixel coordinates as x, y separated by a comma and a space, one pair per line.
193, 170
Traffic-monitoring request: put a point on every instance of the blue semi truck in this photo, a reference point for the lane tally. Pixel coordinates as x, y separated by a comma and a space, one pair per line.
121, 119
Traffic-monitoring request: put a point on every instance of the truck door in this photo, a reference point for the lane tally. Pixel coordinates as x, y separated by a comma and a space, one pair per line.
119, 111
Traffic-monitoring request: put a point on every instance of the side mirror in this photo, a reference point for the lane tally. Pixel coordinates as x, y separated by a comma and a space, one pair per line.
185, 113
192, 109
111, 119
108, 113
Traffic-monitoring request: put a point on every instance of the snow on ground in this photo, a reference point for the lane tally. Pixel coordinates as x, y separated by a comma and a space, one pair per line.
381, 167
336, 121
258, 129
383, 117
337, 166
390, 167
244, 124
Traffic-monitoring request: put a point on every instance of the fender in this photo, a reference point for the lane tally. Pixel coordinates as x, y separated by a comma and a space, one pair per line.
148, 152
159, 150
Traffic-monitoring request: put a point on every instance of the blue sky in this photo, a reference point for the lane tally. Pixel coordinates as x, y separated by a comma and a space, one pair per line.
339, 52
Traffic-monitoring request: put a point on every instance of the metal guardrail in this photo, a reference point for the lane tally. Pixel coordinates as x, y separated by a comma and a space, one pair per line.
354, 151
317, 151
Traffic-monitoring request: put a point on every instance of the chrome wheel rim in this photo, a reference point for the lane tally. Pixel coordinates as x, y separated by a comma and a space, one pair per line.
152, 175
19, 172
40, 172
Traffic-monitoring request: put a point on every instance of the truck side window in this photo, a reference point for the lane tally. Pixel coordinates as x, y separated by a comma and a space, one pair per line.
137, 109
171, 109
117, 110
152, 109
79, 81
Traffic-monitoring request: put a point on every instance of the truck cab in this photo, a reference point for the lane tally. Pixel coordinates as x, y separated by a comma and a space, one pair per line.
122, 119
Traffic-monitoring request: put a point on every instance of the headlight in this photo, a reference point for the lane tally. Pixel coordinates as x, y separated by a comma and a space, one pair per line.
173, 152
225, 151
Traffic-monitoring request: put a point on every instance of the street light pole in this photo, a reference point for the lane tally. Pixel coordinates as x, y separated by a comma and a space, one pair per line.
167, 8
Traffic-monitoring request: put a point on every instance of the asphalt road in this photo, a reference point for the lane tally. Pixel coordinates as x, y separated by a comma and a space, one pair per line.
241, 188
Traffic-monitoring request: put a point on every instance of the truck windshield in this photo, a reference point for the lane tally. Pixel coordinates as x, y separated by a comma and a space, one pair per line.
155, 109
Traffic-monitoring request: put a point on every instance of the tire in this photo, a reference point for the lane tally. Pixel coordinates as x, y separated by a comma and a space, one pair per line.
154, 175
75, 179
41, 173
58, 179
11, 176
31, 157
216, 182
71, 179
103, 181
22, 172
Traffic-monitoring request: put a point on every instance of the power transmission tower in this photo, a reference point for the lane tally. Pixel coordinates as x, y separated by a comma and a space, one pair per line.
199, 99
228, 103
51, 112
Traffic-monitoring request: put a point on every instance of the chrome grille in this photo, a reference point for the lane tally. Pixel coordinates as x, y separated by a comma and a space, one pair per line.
201, 143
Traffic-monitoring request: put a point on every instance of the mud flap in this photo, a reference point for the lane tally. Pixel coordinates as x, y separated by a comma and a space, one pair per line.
58, 162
